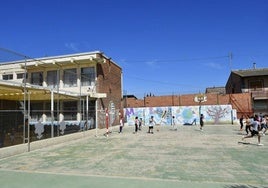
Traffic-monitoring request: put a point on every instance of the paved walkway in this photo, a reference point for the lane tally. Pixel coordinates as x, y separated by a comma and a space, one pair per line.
184, 158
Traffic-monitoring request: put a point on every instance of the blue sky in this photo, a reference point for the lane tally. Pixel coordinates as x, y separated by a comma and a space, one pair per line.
164, 47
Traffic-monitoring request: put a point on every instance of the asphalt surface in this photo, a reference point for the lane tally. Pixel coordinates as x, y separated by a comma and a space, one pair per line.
185, 158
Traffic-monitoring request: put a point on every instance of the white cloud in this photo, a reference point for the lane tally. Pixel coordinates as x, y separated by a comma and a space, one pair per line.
72, 46
152, 64
213, 65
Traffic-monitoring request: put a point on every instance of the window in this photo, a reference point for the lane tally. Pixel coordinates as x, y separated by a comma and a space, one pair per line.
70, 78
87, 76
8, 77
20, 75
260, 105
40, 108
47, 111
36, 111
37, 78
52, 80
256, 85
70, 110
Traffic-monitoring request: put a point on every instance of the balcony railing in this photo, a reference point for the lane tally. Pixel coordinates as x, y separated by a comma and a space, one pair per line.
260, 94
263, 93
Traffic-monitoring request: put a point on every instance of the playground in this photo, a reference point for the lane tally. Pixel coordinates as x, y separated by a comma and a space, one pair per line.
186, 157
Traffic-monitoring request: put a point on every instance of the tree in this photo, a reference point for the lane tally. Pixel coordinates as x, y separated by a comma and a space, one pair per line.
217, 112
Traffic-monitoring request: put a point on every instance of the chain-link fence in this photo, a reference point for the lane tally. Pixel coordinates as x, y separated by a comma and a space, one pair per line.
24, 119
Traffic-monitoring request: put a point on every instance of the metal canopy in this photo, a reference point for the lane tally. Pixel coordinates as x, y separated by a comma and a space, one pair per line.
15, 91
61, 61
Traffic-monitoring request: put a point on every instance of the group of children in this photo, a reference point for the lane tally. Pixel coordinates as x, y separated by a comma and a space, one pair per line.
138, 125
255, 126
152, 123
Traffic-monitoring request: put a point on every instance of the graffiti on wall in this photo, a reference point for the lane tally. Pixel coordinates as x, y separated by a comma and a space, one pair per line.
184, 115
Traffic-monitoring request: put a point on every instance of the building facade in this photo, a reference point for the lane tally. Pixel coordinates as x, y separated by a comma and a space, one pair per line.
70, 92
254, 82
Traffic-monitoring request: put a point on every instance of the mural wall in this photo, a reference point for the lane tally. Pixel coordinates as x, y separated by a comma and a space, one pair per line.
184, 115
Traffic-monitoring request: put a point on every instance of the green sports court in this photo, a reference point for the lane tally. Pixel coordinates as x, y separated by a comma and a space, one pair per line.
185, 158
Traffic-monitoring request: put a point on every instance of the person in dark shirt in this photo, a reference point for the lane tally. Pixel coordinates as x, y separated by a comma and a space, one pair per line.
201, 122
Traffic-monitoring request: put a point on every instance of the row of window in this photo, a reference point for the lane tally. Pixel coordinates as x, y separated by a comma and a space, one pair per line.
69, 77
256, 85
69, 110
10, 76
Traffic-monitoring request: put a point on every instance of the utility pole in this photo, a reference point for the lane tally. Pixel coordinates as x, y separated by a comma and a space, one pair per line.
230, 60
231, 77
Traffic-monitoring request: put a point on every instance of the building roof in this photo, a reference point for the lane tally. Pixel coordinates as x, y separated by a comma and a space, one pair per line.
12, 90
130, 96
220, 90
94, 56
251, 72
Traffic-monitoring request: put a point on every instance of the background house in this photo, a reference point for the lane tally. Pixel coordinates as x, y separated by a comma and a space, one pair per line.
254, 82
217, 90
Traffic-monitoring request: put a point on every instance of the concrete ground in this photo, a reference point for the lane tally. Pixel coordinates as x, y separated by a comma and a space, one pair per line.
185, 158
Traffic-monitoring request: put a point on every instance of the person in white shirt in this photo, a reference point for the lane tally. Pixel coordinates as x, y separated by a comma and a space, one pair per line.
151, 124
174, 123
255, 127
121, 124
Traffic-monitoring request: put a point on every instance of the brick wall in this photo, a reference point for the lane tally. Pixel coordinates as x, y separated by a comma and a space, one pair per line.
109, 82
133, 102
241, 102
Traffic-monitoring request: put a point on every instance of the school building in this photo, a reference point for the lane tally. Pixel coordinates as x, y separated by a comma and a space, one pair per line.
53, 96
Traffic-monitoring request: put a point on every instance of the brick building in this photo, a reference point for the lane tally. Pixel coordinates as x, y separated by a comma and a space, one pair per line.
253, 82
71, 92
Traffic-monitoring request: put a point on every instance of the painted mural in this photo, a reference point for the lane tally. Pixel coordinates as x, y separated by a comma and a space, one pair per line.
184, 115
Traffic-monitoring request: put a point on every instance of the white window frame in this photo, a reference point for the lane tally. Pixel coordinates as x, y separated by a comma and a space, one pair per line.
70, 77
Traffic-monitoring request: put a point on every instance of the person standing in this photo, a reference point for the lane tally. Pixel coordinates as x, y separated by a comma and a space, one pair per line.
140, 124
151, 124
241, 122
136, 124
201, 121
121, 124
173, 123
